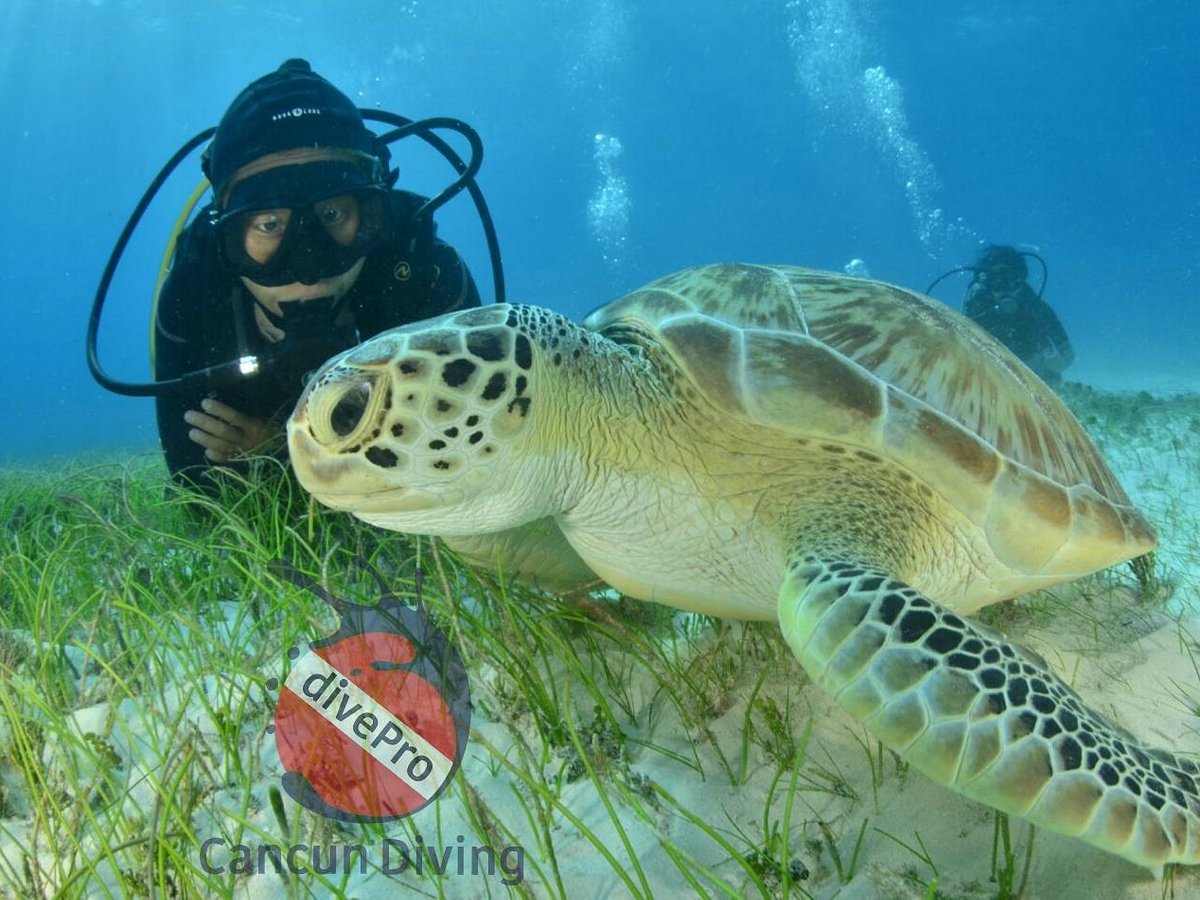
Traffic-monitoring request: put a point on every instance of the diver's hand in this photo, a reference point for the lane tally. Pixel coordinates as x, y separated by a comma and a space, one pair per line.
223, 432
266, 327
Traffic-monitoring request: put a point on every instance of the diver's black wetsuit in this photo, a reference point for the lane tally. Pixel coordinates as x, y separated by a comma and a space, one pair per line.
1021, 321
206, 317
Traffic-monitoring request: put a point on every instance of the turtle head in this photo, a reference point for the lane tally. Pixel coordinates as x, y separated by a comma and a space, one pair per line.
427, 428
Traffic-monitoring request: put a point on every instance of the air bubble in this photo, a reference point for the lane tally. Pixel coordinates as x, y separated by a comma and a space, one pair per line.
608, 209
830, 46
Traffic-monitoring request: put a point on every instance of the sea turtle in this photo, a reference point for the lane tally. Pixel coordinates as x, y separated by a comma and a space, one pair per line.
764, 442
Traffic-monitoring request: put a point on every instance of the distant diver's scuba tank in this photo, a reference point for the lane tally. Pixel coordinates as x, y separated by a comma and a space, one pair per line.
976, 269
231, 371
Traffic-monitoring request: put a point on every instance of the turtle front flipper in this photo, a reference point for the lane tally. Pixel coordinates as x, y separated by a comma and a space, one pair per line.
985, 717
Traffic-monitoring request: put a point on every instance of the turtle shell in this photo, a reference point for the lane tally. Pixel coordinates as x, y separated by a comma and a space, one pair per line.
893, 373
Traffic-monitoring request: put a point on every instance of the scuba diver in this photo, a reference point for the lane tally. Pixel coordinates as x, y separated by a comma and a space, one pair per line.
306, 249
1000, 299
298, 258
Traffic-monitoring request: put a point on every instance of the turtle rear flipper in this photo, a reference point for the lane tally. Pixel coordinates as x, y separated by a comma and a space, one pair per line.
985, 717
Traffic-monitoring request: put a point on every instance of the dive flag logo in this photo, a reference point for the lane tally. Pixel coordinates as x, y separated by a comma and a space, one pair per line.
372, 721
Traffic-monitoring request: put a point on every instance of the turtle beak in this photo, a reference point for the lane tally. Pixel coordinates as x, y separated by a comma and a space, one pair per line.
316, 469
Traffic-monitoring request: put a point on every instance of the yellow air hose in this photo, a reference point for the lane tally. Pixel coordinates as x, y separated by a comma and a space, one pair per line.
169, 254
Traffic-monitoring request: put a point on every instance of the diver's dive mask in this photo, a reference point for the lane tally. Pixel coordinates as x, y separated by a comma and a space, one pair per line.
1000, 278
303, 242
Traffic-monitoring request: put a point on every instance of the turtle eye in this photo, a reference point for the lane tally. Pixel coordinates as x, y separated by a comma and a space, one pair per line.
347, 413
339, 407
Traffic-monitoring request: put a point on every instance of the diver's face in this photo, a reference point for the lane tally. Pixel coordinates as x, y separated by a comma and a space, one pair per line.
1001, 278
325, 236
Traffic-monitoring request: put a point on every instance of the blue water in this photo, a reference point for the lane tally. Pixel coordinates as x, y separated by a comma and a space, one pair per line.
625, 140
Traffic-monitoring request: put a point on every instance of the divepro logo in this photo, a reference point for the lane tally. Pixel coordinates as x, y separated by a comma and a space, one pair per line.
372, 721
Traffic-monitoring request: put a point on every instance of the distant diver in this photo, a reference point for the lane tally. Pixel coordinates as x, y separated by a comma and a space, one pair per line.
1000, 299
